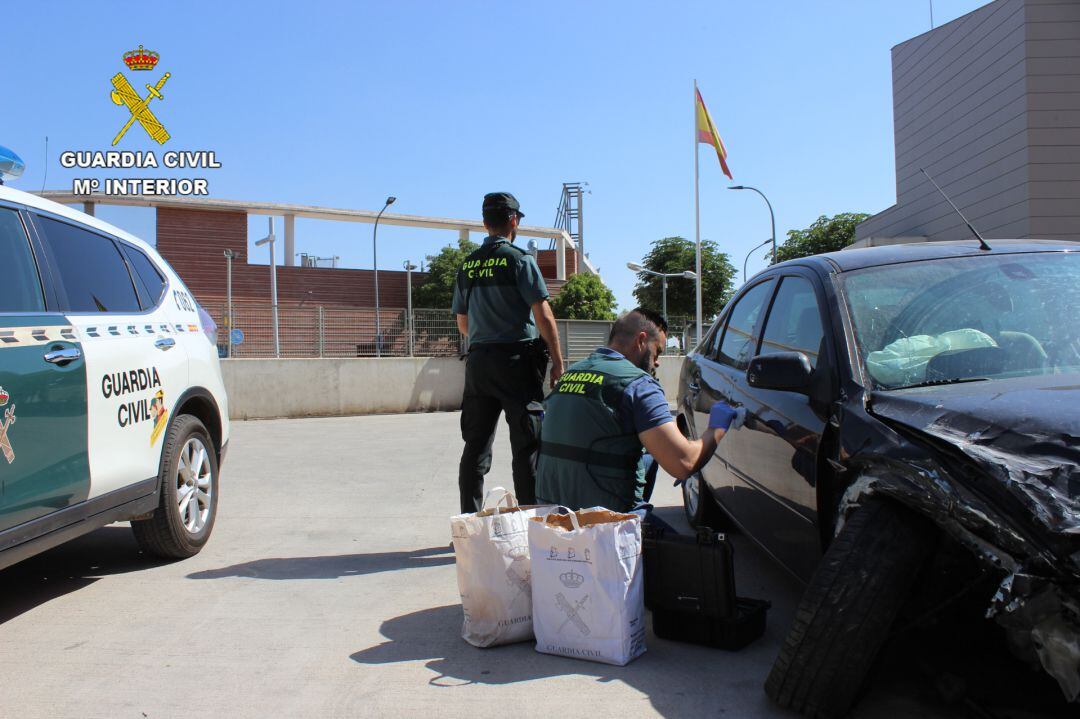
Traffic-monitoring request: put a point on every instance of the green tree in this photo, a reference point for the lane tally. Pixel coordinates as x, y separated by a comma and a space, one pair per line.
437, 292
676, 255
584, 297
827, 234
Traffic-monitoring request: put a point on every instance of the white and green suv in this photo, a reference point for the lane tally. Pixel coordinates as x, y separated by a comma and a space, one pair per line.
112, 406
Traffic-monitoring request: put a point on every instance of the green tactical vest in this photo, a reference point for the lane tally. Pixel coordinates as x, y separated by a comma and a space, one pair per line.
586, 459
488, 284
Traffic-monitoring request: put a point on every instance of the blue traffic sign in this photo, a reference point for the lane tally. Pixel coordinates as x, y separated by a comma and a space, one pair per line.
237, 336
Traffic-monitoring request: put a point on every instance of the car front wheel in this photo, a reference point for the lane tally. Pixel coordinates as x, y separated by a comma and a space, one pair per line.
187, 507
700, 507
849, 606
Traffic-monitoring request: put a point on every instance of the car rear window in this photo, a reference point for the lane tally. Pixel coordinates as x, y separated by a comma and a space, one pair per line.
147, 274
738, 343
20, 289
94, 273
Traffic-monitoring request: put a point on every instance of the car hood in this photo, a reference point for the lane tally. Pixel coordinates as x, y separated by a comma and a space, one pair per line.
1023, 432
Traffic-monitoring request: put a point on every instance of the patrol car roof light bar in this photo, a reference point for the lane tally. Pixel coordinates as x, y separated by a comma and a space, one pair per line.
375, 254
273, 286
688, 274
11, 165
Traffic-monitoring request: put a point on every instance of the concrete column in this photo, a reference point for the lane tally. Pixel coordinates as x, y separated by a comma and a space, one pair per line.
88, 208
290, 240
463, 234
560, 257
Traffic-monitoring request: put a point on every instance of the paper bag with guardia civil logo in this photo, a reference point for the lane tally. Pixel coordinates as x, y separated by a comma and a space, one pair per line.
492, 552
588, 592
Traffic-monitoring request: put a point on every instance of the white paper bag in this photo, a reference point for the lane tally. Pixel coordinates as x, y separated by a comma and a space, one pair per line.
492, 552
588, 595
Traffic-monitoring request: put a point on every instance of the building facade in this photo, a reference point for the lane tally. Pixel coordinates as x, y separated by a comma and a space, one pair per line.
989, 106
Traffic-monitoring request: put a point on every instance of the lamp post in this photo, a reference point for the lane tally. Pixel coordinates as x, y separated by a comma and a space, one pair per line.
375, 253
688, 274
229, 255
409, 267
748, 258
772, 217
273, 286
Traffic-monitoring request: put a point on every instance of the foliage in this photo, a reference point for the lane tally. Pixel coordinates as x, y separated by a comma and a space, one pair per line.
437, 292
676, 255
584, 297
827, 234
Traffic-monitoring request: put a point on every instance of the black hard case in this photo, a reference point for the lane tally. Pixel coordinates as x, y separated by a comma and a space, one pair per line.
690, 588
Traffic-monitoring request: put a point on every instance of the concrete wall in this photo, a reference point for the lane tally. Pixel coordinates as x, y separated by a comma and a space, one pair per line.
264, 388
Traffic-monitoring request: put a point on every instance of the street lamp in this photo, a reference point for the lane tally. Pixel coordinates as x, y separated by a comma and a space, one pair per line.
688, 274
748, 258
375, 252
772, 217
270, 238
409, 267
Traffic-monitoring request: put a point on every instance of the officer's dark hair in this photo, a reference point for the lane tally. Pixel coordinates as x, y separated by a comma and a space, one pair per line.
638, 320
499, 221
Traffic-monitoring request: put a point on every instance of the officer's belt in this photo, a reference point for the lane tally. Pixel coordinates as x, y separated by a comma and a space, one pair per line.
589, 457
519, 346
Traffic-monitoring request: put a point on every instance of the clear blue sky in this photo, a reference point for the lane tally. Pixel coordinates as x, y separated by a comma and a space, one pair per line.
342, 104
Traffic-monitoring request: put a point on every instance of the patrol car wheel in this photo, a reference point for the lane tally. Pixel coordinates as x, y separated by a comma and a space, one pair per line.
182, 523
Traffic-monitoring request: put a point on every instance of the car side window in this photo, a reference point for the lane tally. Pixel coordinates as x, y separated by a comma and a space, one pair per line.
92, 269
794, 322
147, 274
20, 290
737, 345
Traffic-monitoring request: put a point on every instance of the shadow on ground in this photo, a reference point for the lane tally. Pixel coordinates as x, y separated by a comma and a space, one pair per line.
332, 566
69, 568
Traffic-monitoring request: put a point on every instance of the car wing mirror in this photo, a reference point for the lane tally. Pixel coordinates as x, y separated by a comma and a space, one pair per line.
787, 371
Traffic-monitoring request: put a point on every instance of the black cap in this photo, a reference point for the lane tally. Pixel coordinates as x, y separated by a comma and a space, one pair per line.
501, 202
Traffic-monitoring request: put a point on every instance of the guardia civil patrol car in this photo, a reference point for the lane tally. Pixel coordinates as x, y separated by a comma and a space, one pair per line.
112, 406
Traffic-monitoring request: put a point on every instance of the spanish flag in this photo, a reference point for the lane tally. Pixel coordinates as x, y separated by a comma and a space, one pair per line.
706, 133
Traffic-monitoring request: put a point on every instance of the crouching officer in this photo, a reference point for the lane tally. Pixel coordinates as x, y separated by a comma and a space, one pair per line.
500, 301
604, 410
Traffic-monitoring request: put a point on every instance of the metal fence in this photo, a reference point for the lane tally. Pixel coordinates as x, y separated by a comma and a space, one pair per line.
332, 332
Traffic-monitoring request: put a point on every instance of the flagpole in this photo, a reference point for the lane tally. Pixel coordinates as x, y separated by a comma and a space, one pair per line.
697, 219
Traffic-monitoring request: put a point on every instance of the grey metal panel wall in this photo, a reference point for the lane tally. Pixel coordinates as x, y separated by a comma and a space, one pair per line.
960, 111
1053, 85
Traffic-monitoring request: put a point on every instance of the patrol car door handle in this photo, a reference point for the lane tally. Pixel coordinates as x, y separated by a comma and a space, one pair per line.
63, 356
165, 343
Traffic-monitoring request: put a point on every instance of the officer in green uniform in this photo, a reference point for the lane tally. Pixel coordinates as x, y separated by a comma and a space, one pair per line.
500, 301
604, 410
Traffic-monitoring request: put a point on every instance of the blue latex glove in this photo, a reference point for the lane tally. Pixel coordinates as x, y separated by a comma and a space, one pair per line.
721, 416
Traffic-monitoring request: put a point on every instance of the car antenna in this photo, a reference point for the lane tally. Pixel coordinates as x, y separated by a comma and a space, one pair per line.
982, 242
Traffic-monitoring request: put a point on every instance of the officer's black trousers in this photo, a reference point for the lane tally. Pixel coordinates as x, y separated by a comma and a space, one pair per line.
498, 379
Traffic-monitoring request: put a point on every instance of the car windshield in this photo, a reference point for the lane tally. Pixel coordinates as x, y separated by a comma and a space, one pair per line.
967, 318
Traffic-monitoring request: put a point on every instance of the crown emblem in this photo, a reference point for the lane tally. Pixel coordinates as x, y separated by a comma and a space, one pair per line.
141, 59
571, 579
3, 397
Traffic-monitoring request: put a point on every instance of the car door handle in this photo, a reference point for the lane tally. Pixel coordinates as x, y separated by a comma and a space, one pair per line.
165, 343
63, 356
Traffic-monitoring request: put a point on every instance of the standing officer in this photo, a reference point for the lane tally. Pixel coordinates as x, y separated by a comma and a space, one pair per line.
500, 301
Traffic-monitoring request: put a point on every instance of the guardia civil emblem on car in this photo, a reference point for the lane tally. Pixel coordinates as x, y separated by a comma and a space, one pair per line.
5, 424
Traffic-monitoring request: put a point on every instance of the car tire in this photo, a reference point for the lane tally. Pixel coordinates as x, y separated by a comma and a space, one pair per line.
700, 506
188, 481
845, 615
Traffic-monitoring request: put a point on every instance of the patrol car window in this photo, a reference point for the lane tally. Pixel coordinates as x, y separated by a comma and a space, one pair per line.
794, 323
94, 273
737, 346
147, 273
20, 289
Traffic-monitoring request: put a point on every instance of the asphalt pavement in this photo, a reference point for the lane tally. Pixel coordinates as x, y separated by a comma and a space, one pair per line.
328, 590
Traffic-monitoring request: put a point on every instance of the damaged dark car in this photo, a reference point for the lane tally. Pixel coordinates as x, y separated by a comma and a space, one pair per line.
902, 403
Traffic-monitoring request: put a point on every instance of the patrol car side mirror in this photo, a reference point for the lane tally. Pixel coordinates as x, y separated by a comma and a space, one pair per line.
786, 371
